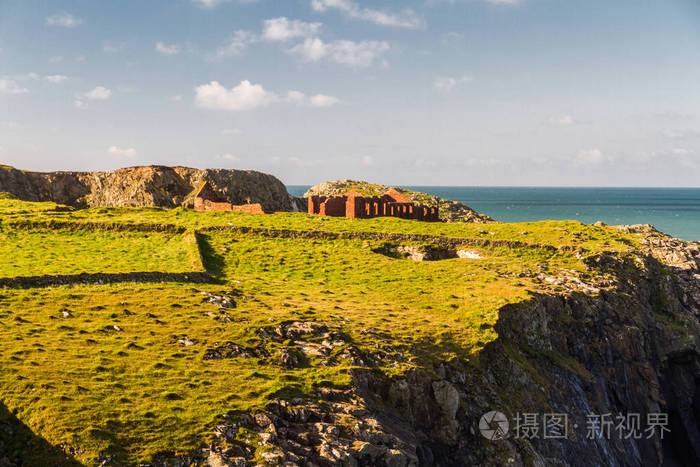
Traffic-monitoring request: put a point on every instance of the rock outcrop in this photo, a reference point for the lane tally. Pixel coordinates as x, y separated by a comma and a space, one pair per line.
450, 211
632, 349
160, 186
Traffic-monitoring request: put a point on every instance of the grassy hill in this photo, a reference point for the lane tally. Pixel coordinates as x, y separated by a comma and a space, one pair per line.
136, 368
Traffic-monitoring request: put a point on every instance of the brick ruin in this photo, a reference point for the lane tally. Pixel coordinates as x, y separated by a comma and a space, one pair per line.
207, 199
354, 205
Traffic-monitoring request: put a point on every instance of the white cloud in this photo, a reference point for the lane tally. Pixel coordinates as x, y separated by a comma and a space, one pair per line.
367, 161
591, 156
234, 45
229, 157
10, 86
10, 125
406, 18
504, 2
56, 59
448, 83
122, 152
215, 3
80, 59
673, 115
245, 96
113, 47
452, 37
248, 96
208, 3
296, 97
681, 151
680, 134
565, 120
321, 101
100, 93
282, 29
311, 50
230, 131
176, 98
166, 49
55, 79
354, 54
317, 101
64, 20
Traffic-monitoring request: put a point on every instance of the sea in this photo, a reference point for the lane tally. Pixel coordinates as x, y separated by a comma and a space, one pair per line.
675, 211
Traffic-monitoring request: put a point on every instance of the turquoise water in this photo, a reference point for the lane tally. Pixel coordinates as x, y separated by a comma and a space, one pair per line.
675, 211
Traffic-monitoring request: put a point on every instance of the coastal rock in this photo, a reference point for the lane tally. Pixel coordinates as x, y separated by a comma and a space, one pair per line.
160, 186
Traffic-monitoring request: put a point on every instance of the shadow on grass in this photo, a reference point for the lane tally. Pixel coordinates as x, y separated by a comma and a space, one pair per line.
25, 282
21, 446
214, 263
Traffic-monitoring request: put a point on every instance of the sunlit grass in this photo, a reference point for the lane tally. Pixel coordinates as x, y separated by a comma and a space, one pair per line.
98, 368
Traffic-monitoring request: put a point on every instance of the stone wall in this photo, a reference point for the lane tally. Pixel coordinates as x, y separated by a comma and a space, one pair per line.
206, 205
356, 206
249, 208
27, 282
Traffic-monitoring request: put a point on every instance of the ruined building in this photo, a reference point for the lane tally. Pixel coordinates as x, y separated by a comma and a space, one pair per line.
355, 205
207, 199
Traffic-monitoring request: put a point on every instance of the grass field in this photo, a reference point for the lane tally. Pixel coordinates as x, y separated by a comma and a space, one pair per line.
123, 368
43, 251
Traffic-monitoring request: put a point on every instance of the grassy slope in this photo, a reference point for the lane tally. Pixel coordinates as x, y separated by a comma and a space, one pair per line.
137, 391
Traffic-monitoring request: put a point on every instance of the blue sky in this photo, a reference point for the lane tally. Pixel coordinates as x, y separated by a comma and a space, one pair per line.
422, 92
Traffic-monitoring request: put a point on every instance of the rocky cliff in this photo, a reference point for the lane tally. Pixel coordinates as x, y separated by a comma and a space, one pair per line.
622, 347
161, 186
450, 211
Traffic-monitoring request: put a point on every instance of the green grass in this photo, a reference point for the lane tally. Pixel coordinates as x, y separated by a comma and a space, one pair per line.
43, 251
136, 391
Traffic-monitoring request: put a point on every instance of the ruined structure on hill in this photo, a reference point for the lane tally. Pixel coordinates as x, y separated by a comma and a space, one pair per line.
355, 205
207, 199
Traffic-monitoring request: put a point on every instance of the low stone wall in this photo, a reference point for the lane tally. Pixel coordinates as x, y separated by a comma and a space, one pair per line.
103, 226
446, 242
255, 208
27, 282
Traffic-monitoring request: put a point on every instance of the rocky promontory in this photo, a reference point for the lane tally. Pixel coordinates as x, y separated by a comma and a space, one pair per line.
160, 186
450, 211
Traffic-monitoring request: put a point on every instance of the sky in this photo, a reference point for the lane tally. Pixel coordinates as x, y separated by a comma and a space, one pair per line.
412, 92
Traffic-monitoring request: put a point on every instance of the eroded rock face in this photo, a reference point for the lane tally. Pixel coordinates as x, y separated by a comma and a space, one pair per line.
160, 186
631, 347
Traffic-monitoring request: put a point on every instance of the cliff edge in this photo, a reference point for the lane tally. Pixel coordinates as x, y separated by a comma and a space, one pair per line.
160, 186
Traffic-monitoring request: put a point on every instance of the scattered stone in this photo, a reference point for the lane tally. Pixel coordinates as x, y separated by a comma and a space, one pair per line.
186, 341
289, 359
468, 254
231, 350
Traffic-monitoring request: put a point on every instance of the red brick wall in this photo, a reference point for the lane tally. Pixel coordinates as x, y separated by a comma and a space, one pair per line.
249, 208
214, 206
355, 206
334, 206
314, 204
206, 205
